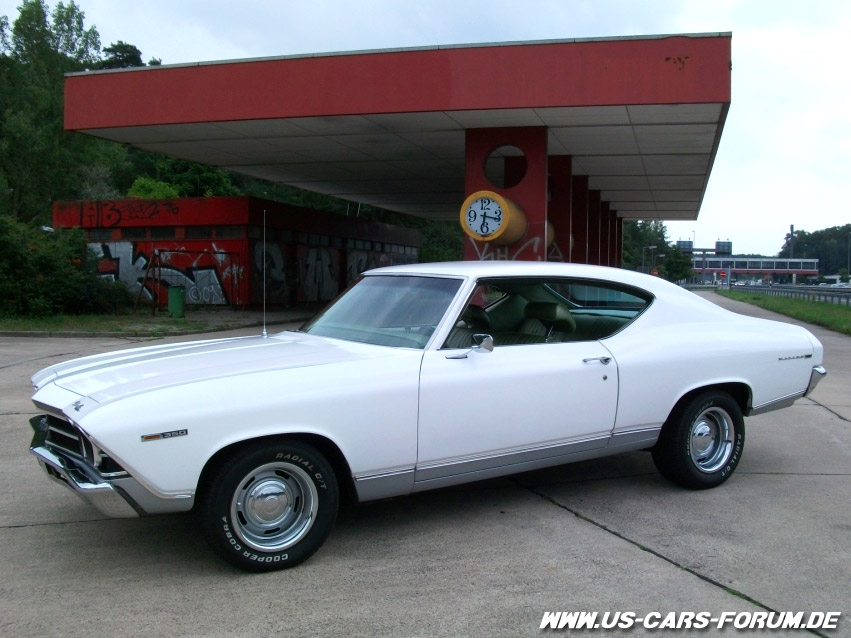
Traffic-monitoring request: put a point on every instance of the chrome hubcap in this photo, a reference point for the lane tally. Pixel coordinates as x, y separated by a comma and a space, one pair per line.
274, 507
711, 439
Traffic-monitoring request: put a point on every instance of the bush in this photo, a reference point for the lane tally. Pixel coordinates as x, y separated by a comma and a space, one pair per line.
46, 272
149, 188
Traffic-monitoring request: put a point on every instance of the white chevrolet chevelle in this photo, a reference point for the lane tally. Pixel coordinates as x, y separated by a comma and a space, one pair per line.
417, 377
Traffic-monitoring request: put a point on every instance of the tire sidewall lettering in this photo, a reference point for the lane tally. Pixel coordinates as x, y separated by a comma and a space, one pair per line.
237, 547
297, 459
265, 558
734, 456
229, 535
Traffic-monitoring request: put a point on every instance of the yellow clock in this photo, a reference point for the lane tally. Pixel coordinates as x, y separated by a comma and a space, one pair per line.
488, 216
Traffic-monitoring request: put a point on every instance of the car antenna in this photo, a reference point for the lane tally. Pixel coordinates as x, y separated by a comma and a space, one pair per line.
264, 274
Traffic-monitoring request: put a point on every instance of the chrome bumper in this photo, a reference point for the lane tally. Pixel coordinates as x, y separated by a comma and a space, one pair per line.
115, 497
818, 373
102, 495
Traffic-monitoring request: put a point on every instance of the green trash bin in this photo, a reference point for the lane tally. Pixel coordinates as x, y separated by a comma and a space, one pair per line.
176, 302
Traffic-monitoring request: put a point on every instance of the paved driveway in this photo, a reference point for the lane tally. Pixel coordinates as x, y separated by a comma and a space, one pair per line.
486, 559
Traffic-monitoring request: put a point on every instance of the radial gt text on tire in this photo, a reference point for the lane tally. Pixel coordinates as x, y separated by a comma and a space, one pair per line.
269, 505
701, 443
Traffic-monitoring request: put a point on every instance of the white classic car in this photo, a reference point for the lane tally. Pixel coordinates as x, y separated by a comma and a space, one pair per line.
417, 377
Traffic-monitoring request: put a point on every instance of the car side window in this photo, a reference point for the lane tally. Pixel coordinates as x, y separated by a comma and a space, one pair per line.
600, 309
525, 311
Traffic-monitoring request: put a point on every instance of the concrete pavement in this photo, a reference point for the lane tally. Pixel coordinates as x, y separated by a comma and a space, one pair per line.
486, 559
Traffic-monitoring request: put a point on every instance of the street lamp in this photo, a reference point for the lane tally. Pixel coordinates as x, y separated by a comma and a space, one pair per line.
642, 256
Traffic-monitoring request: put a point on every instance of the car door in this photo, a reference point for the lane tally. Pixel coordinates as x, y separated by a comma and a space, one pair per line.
513, 408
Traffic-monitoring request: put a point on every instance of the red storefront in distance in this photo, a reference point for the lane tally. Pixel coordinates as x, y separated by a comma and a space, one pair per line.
214, 247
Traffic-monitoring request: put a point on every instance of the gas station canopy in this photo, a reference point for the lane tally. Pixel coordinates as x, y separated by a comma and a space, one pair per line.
640, 117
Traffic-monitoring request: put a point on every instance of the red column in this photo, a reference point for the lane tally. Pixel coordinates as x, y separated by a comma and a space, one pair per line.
530, 193
593, 227
605, 230
558, 206
579, 218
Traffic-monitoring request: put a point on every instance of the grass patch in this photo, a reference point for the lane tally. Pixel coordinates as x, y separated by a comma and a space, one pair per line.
830, 316
129, 325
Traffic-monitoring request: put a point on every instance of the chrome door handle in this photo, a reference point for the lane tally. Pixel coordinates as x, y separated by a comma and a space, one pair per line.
603, 360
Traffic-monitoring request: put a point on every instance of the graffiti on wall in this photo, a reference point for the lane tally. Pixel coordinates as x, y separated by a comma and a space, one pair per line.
294, 274
317, 273
278, 282
525, 251
105, 214
213, 274
528, 250
210, 277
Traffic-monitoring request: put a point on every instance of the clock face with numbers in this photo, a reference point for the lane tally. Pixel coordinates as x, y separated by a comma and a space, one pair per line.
484, 216
488, 216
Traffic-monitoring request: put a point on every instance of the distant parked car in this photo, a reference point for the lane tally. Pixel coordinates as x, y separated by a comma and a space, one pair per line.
418, 377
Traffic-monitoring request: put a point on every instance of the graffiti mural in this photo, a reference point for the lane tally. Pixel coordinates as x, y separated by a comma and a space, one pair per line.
528, 250
210, 277
317, 273
357, 261
278, 286
107, 214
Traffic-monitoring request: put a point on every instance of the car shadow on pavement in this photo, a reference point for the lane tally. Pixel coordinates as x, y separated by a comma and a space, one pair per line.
173, 546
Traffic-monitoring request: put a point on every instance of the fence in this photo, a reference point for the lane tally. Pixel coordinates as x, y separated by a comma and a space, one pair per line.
820, 294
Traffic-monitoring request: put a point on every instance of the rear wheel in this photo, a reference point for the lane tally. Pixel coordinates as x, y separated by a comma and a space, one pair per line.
270, 505
702, 441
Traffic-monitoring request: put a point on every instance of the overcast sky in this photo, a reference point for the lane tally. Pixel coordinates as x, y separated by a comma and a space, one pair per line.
784, 150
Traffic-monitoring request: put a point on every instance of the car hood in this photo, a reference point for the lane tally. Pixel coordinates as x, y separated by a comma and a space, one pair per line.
111, 376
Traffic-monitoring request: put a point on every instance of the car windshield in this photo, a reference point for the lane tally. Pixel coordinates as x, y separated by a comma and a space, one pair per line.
387, 310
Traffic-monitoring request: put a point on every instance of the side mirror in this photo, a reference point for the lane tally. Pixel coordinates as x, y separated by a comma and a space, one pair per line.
482, 343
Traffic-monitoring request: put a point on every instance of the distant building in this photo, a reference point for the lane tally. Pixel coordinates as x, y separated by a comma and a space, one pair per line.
710, 263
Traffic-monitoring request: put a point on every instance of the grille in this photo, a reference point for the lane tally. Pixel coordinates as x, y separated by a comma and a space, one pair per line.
65, 439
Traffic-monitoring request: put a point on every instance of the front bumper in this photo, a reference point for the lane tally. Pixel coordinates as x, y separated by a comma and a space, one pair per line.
103, 495
818, 373
116, 496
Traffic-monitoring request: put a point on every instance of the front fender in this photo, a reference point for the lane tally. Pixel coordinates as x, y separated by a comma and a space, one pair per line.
371, 418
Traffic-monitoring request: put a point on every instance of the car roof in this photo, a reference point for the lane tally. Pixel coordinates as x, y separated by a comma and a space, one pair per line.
478, 269
677, 302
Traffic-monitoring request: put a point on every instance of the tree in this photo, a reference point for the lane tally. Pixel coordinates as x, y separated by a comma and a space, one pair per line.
45, 272
193, 180
676, 266
638, 237
121, 55
148, 188
51, 48
831, 246
39, 161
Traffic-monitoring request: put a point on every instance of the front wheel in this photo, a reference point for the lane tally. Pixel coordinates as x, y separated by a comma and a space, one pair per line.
270, 505
702, 441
